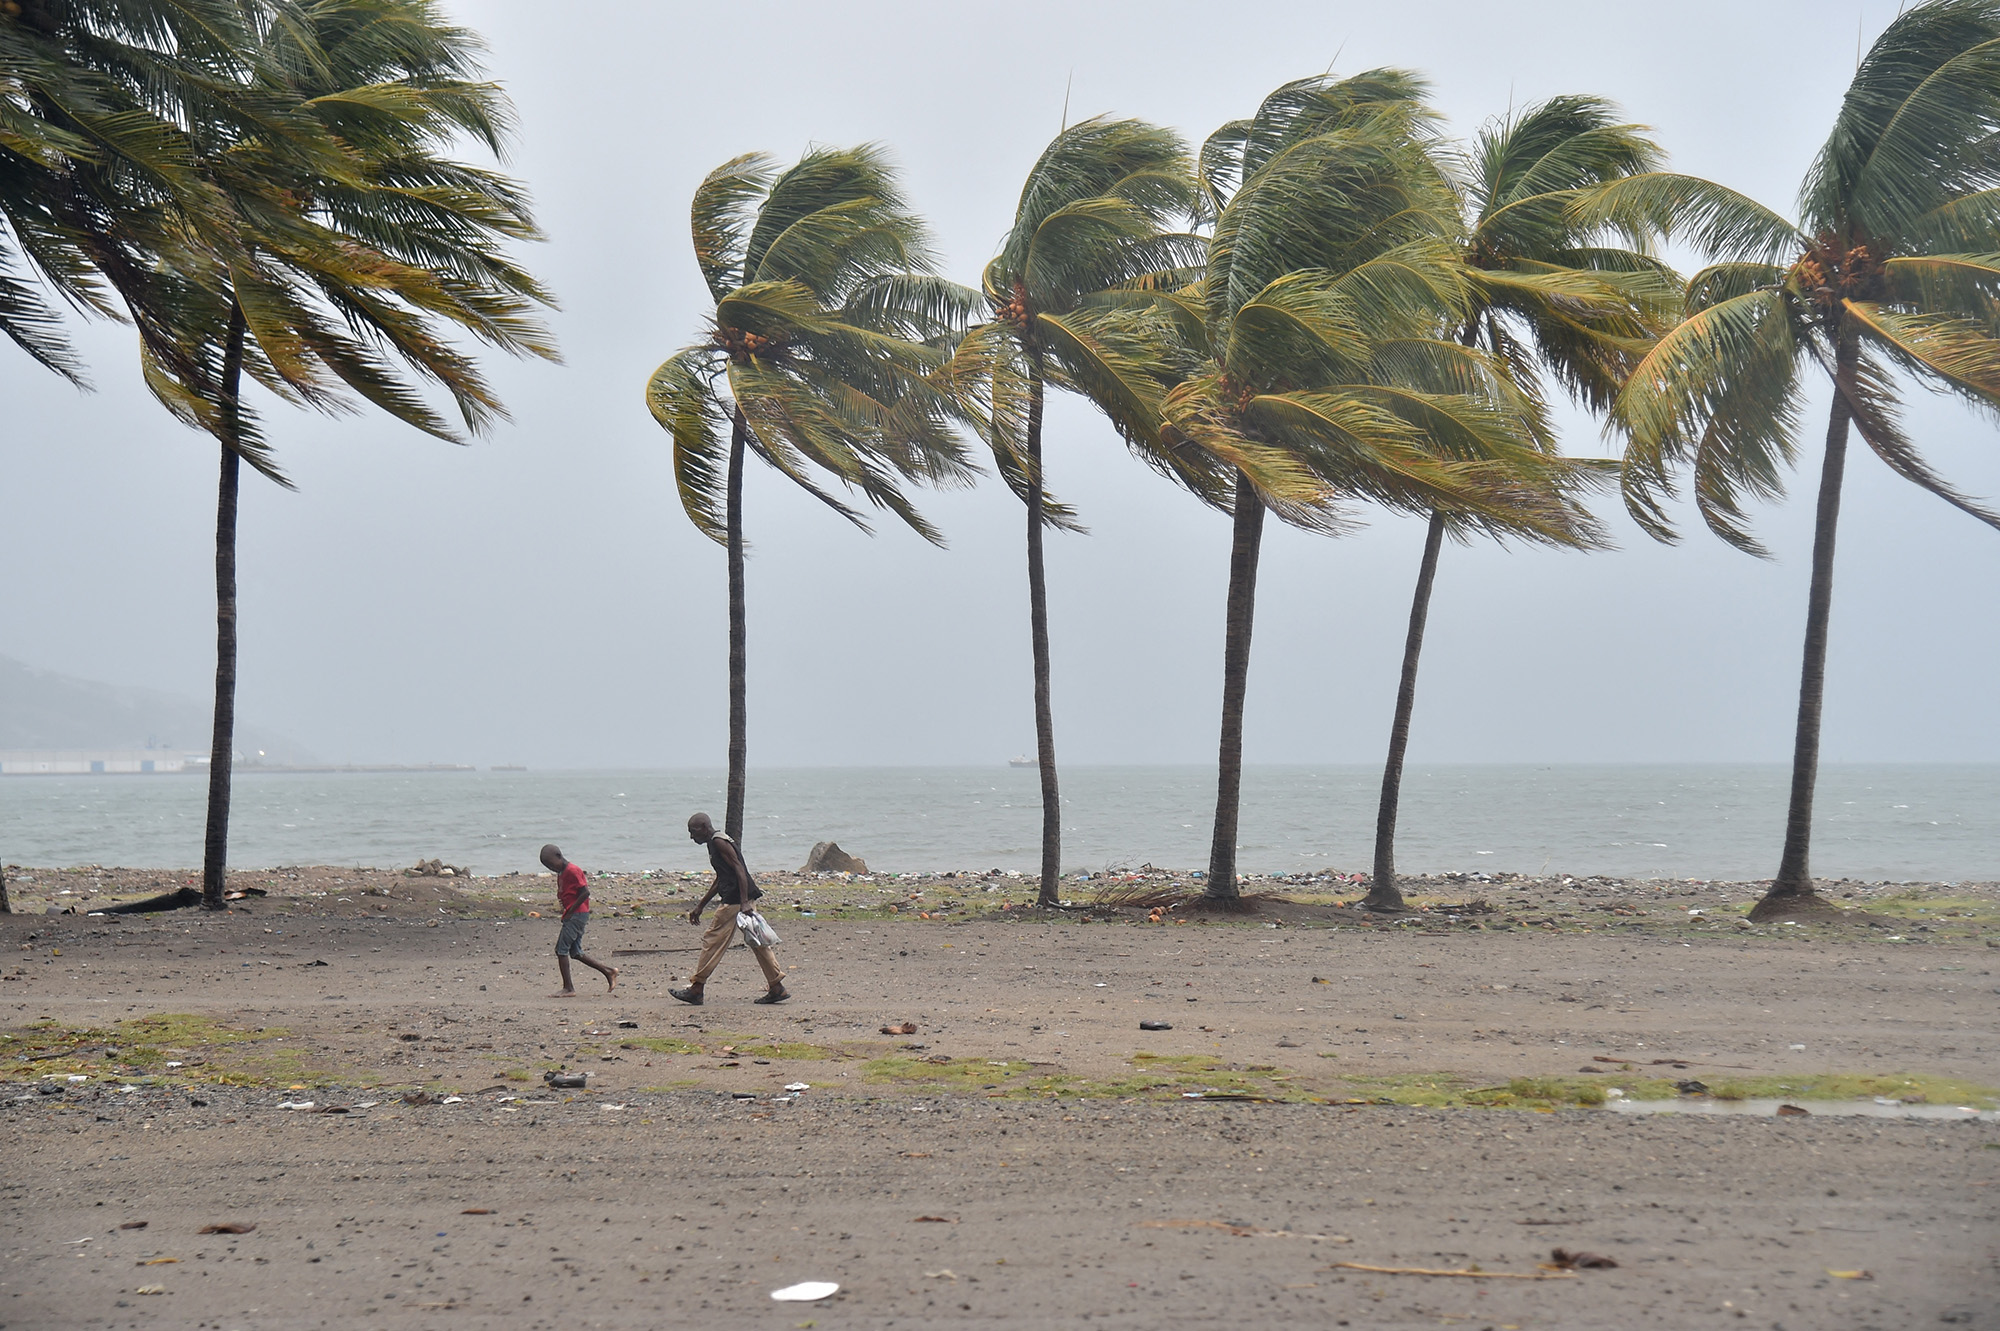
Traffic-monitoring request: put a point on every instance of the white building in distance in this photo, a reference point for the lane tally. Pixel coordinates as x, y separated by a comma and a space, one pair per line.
94, 762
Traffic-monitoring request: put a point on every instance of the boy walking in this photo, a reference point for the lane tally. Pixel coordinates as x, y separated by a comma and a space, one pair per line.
573, 895
736, 888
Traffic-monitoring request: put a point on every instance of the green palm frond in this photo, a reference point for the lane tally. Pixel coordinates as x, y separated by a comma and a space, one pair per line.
1915, 128
1701, 213
1949, 347
1718, 392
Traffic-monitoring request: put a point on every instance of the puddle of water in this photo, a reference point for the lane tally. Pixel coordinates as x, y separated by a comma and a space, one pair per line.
1701, 1104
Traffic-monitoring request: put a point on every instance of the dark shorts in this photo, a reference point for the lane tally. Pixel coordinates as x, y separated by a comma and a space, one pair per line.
569, 943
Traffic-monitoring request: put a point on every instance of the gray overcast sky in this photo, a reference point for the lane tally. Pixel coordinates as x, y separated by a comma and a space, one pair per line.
538, 597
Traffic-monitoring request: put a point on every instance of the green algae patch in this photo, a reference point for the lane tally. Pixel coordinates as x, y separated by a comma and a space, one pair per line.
1153, 1076
138, 1047
660, 1044
1907, 1087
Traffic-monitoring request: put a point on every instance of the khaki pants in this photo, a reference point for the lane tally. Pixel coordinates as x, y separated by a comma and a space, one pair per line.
715, 941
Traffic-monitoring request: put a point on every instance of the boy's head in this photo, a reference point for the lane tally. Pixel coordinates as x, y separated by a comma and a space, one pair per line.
552, 859
700, 828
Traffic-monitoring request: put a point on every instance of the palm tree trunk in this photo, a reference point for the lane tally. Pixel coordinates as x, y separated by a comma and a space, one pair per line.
1050, 893
1791, 891
1382, 893
1244, 547
739, 651
222, 742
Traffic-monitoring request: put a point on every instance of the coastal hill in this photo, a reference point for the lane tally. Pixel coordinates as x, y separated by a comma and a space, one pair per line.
40, 709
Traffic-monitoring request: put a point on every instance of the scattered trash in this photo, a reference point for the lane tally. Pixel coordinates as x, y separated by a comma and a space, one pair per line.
798, 1086
1796, 1048
1691, 1087
477, 1210
743, 1095
809, 1291
452, 1100
946, 1274
933, 1220
332, 1109
134, 1224
903, 1028
628, 1025
567, 1081
1793, 1111
161, 1261
232, 1227
1565, 1260
418, 1098
296, 1104
315, 963
50, 1088
1850, 1275
1156, 1025
150, 1289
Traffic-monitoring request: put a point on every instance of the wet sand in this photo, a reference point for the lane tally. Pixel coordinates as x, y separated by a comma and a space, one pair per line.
1073, 1179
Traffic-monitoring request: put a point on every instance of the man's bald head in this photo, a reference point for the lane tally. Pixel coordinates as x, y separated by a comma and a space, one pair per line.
552, 859
700, 828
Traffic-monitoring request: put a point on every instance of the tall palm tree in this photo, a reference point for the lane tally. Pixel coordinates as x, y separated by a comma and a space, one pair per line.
1330, 287
831, 332
1093, 220
1892, 273
1551, 299
329, 247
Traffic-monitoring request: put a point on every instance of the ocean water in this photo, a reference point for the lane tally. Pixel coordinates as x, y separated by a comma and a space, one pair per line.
1897, 822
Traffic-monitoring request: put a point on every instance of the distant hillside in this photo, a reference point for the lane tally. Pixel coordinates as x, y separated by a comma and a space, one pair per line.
40, 709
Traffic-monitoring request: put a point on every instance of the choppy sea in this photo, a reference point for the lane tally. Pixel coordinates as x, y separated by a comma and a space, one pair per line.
1900, 822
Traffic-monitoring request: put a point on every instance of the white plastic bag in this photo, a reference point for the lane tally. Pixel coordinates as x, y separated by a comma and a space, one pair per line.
757, 931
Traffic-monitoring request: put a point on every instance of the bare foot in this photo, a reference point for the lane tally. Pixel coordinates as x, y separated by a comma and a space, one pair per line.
611, 980
563, 993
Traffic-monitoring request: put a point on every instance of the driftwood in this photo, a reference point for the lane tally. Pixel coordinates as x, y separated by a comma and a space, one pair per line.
1469, 1275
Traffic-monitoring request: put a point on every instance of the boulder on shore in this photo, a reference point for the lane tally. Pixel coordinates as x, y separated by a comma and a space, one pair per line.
828, 857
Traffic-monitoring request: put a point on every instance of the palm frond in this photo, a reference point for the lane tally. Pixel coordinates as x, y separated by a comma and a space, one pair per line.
681, 397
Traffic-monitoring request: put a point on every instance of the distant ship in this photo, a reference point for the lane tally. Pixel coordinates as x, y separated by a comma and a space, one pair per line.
1022, 762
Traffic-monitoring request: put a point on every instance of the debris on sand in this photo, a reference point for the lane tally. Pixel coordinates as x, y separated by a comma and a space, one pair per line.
1562, 1259
900, 1028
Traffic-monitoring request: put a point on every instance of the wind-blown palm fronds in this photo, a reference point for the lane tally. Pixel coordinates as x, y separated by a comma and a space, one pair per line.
1550, 297
1092, 229
827, 356
300, 222
1890, 276
1323, 371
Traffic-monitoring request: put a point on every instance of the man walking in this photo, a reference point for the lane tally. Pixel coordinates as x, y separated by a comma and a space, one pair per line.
737, 890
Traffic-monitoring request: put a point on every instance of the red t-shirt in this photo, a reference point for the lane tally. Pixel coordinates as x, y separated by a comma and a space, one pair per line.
569, 890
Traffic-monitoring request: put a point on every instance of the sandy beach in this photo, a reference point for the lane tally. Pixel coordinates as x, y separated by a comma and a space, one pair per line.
1433, 1094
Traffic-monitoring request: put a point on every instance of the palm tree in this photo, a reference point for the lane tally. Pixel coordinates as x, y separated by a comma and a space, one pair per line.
1892, 272
1330, 286
1549, 298
328, 242
831, 332
1092, 221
